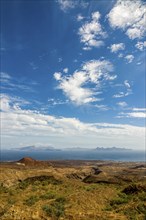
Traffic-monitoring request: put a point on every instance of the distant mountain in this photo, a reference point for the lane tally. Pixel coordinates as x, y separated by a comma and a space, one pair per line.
34, 148
77, 149
111, 149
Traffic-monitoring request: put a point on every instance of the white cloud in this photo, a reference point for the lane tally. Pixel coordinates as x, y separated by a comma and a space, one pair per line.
120, 55
102, 107
132, 115
54, 102
77, 86
80, 17
65, 5
65, 70
125, 93
129, 58
139, 109
141, 45
91, 33
29, 127
130, 16
122, 104
136, 113
57, 75
5, 76
116, 47
10, 83
126, 83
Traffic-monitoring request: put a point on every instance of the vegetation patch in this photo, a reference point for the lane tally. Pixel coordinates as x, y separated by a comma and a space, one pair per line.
56, 209
3, 189
31, 200
48, 195
130, 202
36, 180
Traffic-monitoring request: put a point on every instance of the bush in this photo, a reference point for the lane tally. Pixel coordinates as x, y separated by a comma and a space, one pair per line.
31, 200
61, 199
122, 199
48, 195
23, 184
48, 209
56, 209
3, 189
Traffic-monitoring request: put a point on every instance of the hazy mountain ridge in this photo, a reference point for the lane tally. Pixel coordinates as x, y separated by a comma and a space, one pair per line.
35, 148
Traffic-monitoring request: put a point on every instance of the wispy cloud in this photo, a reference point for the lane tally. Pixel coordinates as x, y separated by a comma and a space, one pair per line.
91, 33
54, 102
127, 92
127, 84
132, 115
77, 86
66, 5
135, 113
129, 16
122, 104
10, 83
139, 109
33, 66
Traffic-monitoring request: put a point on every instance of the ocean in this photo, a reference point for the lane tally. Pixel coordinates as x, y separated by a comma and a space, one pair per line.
132, 155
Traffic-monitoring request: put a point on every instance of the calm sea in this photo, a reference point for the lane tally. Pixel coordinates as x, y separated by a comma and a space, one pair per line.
13, 155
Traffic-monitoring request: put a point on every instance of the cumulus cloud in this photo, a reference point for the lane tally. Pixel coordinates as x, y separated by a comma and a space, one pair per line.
65, 70
28, 126
91, 33
141, 45
77, 86
57, 75
116, 47
130, 16
129, 58
65, 5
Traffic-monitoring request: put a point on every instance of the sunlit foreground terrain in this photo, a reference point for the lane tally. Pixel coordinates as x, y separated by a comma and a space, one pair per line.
72, 190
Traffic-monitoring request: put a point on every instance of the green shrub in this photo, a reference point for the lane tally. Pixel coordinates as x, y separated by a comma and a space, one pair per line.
60, 199
56, 208
3, 189
48, 210
31, 200
23, 184
48, 195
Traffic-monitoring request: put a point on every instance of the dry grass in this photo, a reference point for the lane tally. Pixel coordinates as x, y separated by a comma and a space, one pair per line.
47, 193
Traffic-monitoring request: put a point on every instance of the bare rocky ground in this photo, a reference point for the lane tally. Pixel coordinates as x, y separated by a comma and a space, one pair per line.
72, 190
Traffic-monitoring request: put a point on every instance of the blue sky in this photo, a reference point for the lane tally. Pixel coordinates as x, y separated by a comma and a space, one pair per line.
73, 73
